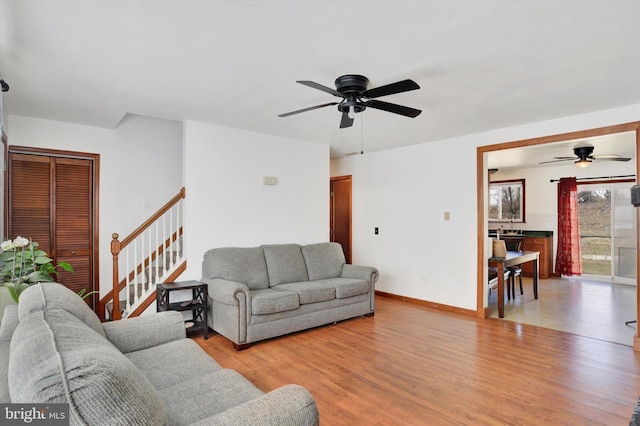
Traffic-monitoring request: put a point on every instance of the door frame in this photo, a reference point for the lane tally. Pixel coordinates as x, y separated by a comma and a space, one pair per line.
95, 160
483, 311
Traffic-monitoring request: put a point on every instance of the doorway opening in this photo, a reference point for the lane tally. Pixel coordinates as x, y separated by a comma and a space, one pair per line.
340, 213
482, 177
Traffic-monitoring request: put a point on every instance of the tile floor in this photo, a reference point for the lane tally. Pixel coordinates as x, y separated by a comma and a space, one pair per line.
586, 308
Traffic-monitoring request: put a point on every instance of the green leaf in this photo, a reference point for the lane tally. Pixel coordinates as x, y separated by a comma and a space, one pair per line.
41, 260
66, 266
39, 277
12, 292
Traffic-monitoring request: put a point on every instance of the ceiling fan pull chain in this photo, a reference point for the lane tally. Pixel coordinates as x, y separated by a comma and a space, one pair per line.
361, 134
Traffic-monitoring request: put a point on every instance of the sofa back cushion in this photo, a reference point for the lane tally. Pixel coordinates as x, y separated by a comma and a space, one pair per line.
323, 260
51, 296
285, 264
241, 264
56, 358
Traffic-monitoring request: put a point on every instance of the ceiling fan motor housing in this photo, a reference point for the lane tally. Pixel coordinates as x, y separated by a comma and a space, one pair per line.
583, 152
351, 86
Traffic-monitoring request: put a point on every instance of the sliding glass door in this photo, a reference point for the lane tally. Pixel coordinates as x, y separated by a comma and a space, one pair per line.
607, 231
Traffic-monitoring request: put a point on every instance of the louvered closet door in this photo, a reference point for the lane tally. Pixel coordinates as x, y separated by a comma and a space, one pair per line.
72, 220
51, 202
30, 198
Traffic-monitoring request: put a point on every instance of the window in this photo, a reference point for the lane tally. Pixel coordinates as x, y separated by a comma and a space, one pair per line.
506, 201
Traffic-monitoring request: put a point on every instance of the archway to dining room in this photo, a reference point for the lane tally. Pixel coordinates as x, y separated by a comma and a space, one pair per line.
631, 131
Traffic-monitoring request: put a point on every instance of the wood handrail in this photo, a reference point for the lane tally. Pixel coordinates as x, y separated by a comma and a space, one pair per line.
140, 229
117, 246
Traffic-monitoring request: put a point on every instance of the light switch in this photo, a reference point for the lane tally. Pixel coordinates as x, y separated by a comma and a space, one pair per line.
447, 215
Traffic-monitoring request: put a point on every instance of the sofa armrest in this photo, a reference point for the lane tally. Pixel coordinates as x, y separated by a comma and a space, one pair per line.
146, 331
368, 273
224, 291
287, 405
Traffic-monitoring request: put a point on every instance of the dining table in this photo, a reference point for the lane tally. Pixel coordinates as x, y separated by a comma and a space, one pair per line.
514, 258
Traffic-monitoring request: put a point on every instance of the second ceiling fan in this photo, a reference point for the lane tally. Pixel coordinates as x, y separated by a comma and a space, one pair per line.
352, 88
584, 156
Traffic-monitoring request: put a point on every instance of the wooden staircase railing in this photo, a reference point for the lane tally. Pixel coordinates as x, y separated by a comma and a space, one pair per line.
149, 255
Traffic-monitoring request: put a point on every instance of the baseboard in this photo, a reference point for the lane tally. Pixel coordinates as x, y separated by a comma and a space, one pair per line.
428, 304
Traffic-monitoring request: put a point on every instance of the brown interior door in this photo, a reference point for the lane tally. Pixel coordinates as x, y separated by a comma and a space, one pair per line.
340, 214
51, 201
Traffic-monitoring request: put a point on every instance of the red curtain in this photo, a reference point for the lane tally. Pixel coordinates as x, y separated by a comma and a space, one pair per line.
569, 256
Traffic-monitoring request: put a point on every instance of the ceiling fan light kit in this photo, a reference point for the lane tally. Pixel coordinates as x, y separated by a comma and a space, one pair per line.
582, 163
352, 88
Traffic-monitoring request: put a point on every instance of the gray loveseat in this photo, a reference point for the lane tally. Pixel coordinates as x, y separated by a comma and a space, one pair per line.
261, 292
139, 371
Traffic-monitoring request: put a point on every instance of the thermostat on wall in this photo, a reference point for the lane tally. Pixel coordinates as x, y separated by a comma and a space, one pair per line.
269, 180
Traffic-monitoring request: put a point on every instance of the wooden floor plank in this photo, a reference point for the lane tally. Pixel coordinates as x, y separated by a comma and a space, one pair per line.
415, 365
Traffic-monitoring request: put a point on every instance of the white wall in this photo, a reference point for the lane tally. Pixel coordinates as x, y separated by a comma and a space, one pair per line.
405, 193
226, 202
140, 168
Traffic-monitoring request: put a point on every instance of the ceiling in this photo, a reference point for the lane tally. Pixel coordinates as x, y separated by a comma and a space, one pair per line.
481, 65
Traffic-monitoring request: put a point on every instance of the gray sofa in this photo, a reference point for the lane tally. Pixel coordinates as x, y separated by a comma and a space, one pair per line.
261, 292
139, 371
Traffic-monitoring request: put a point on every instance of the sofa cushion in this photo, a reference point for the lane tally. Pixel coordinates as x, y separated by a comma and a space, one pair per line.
50, 296
269, 301
181, 360
240, 264
56, 358
347, 287
209, 394
309, 291
285, 264
323, 260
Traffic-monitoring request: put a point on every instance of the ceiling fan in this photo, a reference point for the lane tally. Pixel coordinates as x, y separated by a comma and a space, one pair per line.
352, 88
584, 156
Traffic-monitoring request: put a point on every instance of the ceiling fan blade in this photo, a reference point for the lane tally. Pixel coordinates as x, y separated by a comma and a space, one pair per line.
611, 157
286, 114
390, 89
608, 158
315, 85
346, 121
394, 108
559, 160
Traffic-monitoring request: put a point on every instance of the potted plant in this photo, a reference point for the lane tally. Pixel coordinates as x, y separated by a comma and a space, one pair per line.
23, 264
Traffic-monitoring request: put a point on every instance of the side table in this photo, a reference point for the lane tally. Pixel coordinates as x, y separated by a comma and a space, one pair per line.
198, 305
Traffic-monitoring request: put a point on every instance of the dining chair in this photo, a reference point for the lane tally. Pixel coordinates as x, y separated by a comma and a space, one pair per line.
514, 244
493, 280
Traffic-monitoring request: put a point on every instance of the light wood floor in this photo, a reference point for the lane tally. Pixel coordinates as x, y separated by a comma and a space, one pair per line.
575, 305
412, 365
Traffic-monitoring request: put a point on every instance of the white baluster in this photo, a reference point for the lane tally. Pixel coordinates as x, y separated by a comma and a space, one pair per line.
179, 225
157, 251
171, 231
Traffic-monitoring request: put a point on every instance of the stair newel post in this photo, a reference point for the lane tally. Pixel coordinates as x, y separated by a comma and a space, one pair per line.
115, 251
